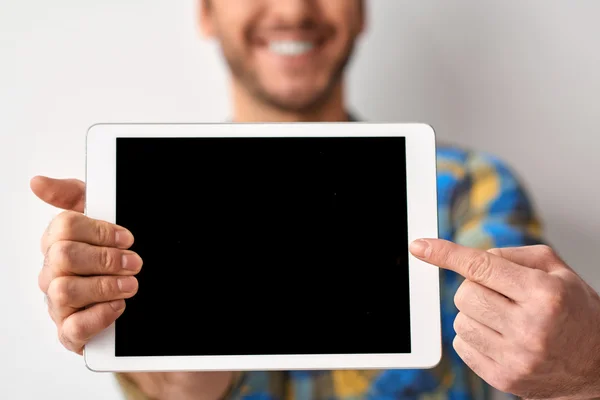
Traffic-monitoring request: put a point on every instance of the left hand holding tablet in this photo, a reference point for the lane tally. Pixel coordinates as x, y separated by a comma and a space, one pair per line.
528, 324
74, 282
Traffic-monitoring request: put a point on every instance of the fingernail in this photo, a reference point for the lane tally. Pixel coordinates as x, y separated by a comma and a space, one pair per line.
123, 238
131, 261
127, 285
420, 248
117, 305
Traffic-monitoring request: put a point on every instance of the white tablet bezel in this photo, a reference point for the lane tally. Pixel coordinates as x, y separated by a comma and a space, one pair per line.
422, 222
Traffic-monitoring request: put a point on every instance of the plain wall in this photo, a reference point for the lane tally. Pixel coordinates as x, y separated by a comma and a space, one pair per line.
519, 79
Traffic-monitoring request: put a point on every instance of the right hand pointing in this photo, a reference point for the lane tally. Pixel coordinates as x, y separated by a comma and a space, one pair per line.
88, 271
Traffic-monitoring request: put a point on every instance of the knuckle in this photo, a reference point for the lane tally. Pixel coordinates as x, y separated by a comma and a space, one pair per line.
461, 295
479, 267
63, 226
495, 251
76, 330
466, 297
553, 296
456, 325
66, 340
60, 292
72, 334
103, 233
457, 345
106, 259
105, 287
459, 324
60, 255
545, 252
43, 282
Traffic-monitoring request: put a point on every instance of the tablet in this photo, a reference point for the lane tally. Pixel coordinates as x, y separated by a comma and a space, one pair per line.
269, 246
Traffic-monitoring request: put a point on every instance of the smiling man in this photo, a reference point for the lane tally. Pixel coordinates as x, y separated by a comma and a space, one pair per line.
287, 60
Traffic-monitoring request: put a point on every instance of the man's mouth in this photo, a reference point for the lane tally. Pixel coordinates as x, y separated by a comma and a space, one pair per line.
290, 47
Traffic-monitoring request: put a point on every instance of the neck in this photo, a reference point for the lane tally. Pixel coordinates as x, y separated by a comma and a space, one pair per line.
247, 108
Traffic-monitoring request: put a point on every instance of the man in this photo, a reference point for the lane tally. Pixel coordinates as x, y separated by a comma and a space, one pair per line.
287, 60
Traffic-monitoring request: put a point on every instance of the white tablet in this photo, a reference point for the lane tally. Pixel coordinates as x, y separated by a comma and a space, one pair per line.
270, 246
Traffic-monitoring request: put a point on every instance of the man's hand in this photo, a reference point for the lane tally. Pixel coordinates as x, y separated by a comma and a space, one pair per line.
87, 275
88, 271
528, 324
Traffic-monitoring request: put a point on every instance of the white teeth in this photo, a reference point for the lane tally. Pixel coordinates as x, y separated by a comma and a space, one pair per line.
290, 47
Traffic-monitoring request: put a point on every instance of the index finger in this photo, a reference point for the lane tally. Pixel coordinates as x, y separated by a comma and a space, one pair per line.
503, 276
75, 227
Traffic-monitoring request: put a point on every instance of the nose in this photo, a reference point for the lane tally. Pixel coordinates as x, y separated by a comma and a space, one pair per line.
294, 12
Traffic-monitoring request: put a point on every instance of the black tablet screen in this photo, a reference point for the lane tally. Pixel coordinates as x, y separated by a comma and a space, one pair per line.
265, 245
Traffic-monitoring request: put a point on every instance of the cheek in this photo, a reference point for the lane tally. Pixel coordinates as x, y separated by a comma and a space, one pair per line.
344, 15
232, 21
345, 34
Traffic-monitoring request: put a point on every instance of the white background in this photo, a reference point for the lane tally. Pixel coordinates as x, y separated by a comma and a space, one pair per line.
518, 78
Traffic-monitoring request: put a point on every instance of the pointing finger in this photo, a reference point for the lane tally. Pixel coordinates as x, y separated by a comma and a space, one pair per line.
487, 269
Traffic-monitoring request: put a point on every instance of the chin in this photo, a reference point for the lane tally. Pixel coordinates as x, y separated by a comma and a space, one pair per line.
297, 102
297, 96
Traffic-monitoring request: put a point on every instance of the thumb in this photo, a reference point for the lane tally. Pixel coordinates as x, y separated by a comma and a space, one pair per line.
68, 194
